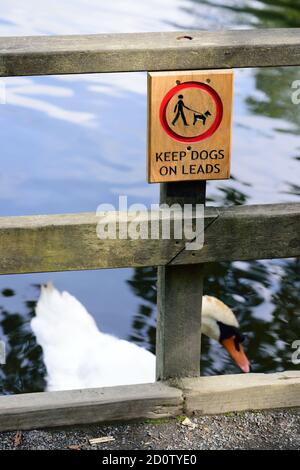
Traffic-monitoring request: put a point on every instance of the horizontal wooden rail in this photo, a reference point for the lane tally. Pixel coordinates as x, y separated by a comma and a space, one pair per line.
206, 395
127, 402
48, 55
224, 393
70, 242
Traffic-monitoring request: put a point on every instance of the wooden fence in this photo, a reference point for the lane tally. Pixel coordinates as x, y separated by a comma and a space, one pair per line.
69, 242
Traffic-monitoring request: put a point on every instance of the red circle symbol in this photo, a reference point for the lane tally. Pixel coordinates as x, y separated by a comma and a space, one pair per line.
204, 88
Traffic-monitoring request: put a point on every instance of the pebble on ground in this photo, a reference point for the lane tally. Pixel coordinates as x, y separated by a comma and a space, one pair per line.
277, 429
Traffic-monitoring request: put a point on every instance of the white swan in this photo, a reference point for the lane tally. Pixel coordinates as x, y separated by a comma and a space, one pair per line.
78, 355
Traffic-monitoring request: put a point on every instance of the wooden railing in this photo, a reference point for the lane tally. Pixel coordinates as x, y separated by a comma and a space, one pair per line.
187, 50
70, 242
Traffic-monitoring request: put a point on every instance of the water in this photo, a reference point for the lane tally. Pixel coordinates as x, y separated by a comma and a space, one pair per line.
70, 143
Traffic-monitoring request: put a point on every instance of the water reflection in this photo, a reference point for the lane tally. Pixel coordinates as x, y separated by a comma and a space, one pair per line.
143, 285
276, 87
71, 161
24, 370
263, 13
262, 294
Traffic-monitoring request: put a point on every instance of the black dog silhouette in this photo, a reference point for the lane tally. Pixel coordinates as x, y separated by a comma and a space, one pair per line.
201, 117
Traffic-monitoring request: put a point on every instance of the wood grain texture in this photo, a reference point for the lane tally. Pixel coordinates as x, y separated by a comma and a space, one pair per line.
206, 395
178, 344
48, 55
249, 232
70, 242
225, 393
48, 409
171, 159
179, 300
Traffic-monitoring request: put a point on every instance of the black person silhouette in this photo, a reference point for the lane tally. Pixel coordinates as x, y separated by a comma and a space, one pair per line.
180, 113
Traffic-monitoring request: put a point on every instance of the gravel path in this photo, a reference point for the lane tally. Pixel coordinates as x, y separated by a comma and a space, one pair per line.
249, 430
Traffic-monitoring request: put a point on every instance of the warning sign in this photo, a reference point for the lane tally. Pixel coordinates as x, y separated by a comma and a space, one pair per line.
189, 125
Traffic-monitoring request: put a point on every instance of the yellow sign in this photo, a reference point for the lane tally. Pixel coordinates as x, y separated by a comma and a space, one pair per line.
189, 125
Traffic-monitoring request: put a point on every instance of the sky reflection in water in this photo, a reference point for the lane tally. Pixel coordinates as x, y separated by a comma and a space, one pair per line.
70, 143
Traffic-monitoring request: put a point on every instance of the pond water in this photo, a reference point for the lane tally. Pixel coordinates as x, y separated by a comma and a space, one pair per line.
70, 143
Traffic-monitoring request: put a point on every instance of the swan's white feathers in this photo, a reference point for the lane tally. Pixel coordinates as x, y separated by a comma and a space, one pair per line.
78, 355
214, 310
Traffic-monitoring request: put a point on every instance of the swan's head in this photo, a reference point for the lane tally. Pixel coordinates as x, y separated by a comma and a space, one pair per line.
220, 323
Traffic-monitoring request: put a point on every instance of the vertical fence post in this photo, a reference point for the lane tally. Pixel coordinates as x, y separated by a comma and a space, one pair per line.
179, 300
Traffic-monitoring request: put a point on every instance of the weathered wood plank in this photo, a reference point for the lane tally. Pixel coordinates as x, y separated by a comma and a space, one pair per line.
178, 340
46, 55
48, 409
249, 232
70, 242
224, 393
206, 395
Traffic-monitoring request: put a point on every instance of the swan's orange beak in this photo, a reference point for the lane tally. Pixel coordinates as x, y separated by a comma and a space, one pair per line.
237, 355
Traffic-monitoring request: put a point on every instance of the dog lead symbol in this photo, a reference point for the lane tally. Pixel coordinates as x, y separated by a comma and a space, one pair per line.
179, 110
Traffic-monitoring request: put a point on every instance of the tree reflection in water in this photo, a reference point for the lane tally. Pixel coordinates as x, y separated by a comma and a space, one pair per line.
263, 295
24, 370
261, 13
245, 287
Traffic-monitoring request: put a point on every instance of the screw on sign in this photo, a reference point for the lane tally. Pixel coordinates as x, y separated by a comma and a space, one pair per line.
189, 125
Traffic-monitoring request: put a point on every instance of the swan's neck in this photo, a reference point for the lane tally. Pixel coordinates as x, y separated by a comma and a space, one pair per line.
214, 311
209, 327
